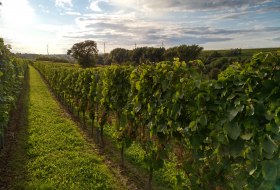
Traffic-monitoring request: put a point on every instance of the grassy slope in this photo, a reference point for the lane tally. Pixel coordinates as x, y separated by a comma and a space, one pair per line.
57, 155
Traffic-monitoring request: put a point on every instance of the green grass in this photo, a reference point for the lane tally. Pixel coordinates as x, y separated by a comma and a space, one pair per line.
168, 177
57, 155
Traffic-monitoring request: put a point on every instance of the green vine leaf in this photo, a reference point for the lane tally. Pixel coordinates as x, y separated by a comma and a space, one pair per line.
269, 170
234, 111
232, 130
269, 145
203, 120
247, 136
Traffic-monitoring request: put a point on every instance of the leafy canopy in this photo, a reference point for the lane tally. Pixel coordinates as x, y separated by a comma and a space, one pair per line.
85, 52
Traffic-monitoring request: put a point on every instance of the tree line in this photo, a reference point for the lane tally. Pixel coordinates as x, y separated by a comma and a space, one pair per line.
86, 53
150, 55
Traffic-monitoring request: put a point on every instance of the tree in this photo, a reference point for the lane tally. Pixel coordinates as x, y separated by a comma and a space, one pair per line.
154, 55
170, 53
138, 55
4, 50
85, 52
234, 52
183, 52
104, 59
119, 55
188, 53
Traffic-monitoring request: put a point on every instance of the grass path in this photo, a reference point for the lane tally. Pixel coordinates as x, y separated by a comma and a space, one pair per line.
56, 155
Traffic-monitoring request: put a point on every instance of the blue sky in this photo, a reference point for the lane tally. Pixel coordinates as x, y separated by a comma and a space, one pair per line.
30, 25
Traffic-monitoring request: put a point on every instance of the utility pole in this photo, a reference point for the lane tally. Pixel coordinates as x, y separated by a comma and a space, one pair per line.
48, 49
162, 44
104, 48
135, 45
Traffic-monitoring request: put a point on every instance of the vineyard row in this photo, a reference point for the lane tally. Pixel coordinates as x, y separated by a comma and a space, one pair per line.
13, 73
224, 132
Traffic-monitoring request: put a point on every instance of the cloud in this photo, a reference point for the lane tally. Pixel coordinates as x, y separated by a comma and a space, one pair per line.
197, 40
72, 13
63, 3
123, 29
271, 29
122, 23
100, 5
127, 30
16, 13
94, 6
266, 9
233, 15
276, 39
49, 28
187, 5
44, 9
15, 19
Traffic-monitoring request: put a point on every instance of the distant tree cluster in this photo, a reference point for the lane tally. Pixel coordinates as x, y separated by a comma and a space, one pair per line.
86, 54
234, 52
148, 55
103, 59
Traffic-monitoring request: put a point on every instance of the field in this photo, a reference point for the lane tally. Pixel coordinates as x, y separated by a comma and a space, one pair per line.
244, 52
139, 95
154, 126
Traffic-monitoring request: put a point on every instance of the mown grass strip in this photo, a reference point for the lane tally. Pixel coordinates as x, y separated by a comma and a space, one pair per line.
58, 155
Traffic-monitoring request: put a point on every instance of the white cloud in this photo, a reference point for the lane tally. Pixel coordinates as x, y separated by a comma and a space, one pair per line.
44, 9
72, 13
16, 13
63, 3
16, 19
48, 28
122, 23
94, 6
124, 29
185, 5
39, 36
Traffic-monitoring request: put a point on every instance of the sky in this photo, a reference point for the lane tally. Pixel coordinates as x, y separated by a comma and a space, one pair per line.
30, 26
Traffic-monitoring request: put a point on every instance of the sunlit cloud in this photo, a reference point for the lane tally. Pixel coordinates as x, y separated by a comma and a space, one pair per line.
94, 6
16, 13
186, 5
214, 24
63, 3
44, 9
73, 13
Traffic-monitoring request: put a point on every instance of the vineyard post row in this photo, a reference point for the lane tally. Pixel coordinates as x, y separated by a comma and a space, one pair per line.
224, 133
